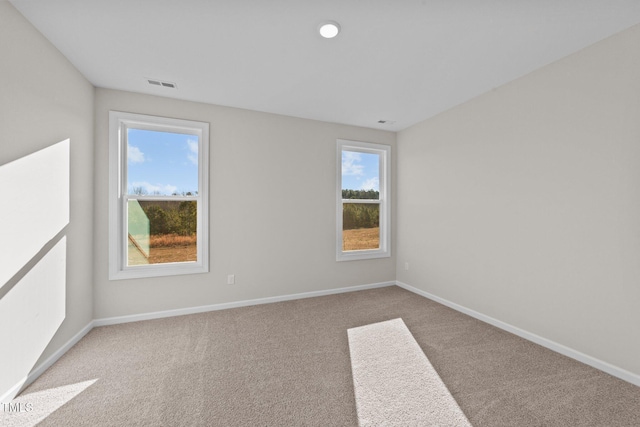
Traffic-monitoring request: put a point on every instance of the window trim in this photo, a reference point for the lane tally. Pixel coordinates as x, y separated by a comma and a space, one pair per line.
384, 151
118, 195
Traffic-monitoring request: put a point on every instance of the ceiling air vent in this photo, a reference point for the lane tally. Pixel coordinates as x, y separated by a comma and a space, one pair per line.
154, 82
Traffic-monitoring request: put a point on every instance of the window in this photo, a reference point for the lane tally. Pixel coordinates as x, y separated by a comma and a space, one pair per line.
158, 189
362, 197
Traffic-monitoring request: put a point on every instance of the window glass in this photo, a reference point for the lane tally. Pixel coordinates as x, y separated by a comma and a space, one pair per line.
363, 208
158, 196
360, 181
360, 175
360, 226
161, 163
162, 231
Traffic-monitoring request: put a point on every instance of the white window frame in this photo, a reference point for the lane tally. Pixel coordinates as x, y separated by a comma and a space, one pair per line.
118, 195
384, 151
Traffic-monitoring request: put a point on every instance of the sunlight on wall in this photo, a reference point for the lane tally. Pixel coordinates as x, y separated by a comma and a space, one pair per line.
30, 314
33, 254
35, 191
31, 408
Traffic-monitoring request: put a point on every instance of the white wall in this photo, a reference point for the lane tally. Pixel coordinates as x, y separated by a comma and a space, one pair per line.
272, 209
46, 246
524, 203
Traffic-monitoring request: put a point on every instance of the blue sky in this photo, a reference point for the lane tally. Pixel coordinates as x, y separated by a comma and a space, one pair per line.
162, 162
360, 171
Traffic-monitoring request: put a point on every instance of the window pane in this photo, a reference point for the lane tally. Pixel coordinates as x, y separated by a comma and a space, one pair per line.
161, 232
138, 234
161, 163
360, 226
360, 175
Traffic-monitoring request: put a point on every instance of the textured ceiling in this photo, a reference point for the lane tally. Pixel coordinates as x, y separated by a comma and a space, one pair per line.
397, 60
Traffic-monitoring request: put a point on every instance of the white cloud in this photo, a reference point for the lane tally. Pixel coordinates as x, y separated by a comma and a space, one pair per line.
154, 189
134, 154
350, 164
371, 184
193, 151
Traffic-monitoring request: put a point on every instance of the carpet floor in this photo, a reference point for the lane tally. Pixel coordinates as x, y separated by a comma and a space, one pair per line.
288, 364
394, 383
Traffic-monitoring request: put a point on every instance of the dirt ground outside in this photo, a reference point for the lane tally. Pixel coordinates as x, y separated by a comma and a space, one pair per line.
361, 238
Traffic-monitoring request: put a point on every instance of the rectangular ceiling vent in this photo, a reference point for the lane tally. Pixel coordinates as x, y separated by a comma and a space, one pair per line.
154, 82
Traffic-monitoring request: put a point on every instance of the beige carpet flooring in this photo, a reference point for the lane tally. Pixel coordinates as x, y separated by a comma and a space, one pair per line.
287, 364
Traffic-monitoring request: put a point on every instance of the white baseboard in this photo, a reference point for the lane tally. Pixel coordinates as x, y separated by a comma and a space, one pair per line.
13, 391
552, 345
214, 307
39, 370
559, 348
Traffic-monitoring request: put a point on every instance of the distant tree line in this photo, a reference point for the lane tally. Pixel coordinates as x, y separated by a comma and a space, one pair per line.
171, 217
360, 194
360, 215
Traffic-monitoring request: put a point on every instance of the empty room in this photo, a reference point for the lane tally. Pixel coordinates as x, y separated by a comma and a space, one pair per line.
320, 213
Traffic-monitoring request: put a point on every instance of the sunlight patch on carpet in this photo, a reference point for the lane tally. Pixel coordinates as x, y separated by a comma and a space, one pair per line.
29, 409
394, 382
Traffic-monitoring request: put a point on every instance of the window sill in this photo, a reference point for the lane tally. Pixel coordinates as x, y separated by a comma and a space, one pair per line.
360, 255
144, 271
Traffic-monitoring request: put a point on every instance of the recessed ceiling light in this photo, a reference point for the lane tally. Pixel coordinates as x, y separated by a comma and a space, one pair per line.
329, 29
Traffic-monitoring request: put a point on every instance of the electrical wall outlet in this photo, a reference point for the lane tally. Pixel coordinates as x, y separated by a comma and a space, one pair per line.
231, 279
406, 265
